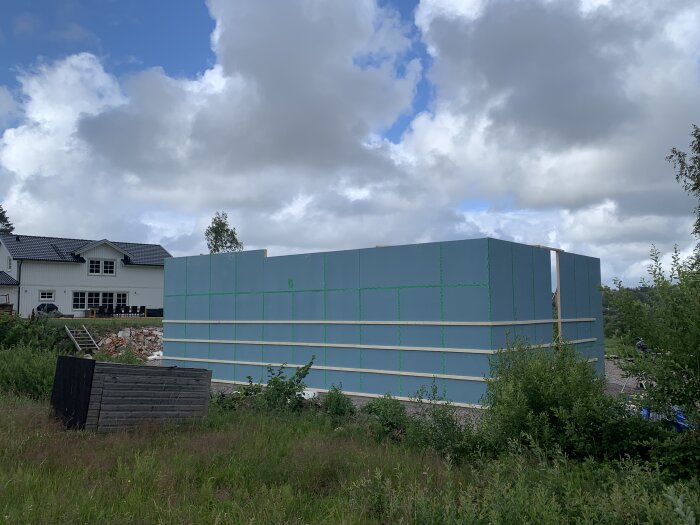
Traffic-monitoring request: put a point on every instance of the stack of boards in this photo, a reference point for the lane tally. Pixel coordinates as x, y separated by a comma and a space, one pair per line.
106, 397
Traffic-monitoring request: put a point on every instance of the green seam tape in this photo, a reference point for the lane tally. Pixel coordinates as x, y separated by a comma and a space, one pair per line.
310, 290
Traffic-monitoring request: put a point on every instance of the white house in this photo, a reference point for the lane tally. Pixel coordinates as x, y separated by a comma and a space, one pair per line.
77, 275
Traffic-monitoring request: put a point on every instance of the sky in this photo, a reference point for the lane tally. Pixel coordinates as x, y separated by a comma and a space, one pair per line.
322, 125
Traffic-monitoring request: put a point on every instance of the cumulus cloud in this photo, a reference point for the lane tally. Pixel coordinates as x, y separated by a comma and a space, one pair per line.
550, 124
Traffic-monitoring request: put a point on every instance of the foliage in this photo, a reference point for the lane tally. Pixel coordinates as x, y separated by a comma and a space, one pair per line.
389, 417
257, 467
552, 399
5, 224
27, 370
283, 392
220, 236
127, 357
670, 325
687, 169
41, 333
337, 405
437, 426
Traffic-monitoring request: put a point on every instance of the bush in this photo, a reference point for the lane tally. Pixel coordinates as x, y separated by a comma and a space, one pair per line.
389, 416
27, 370
282, 392
437, 426
554, 400
39, 333
669, 322
337, 405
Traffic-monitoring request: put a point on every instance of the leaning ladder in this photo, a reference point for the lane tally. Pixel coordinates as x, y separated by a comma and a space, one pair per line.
82, 339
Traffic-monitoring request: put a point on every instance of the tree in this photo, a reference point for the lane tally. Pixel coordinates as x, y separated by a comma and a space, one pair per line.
688, 171
669, 323
220, 236
5, 224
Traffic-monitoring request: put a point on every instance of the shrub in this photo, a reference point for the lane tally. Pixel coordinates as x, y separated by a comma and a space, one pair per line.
669, 322
554, 399
437, 426
337, 405
27, 370
282, 392
40, 333
389, 416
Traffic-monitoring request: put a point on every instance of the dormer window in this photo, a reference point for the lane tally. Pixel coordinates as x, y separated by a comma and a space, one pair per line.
108, 267
95, 267
101, 267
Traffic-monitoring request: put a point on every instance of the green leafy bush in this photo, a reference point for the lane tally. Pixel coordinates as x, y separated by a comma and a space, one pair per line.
669, 323
437, 426
41, 333
282, 392
554, 399
389, 417
26, 370
337, 405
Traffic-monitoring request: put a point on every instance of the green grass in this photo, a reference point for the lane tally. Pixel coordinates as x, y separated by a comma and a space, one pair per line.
616, 347
250, 467
115, 323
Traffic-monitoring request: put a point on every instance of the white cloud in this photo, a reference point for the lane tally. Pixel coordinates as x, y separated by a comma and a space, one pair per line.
550, 126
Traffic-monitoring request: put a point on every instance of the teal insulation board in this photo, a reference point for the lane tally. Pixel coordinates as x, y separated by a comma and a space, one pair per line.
378, 320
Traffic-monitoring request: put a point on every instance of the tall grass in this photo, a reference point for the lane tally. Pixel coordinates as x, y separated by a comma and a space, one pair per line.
257, 467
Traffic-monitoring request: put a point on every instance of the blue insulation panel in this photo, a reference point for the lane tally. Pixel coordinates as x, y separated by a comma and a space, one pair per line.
375, 320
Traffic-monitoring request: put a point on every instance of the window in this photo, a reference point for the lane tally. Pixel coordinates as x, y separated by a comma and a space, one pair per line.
101, 267
93, 299
46, 295
107, 298
108, 267
94, 268
78, 300
9, 262
121, 299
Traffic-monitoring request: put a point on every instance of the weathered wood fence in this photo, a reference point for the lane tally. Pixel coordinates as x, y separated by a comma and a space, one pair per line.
106, 397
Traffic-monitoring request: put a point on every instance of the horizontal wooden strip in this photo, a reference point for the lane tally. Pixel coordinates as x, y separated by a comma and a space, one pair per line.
350, 345
360, 394
333, 368
152, 371
155, 408
154, 394
153, 380
149, 399
401, 323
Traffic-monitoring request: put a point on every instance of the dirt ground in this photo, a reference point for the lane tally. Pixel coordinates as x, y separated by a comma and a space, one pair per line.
616, 382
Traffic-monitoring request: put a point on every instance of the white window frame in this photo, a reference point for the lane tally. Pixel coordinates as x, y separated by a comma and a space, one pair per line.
101, 265
47, 292
116, 299
9, 262
84, 301
90, 301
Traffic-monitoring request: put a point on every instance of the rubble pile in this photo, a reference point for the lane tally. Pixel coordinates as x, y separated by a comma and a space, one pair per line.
143, 342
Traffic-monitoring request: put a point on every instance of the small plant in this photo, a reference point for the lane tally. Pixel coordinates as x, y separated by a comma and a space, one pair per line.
282, 392
437, 426
389, 416
337, 405
26, 370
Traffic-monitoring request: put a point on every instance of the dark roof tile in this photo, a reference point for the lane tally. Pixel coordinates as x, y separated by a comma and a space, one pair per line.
7, 280
57, 249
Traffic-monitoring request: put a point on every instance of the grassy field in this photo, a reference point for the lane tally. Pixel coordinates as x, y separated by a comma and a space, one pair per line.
252, 467
114, 323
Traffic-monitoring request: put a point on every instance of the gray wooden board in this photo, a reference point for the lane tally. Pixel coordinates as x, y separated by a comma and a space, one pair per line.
125, 396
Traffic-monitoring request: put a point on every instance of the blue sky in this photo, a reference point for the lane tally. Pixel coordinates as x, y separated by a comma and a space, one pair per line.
308, 122
130, 35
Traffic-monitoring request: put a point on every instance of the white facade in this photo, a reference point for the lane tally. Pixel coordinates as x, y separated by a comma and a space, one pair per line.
73, 288
9, 266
